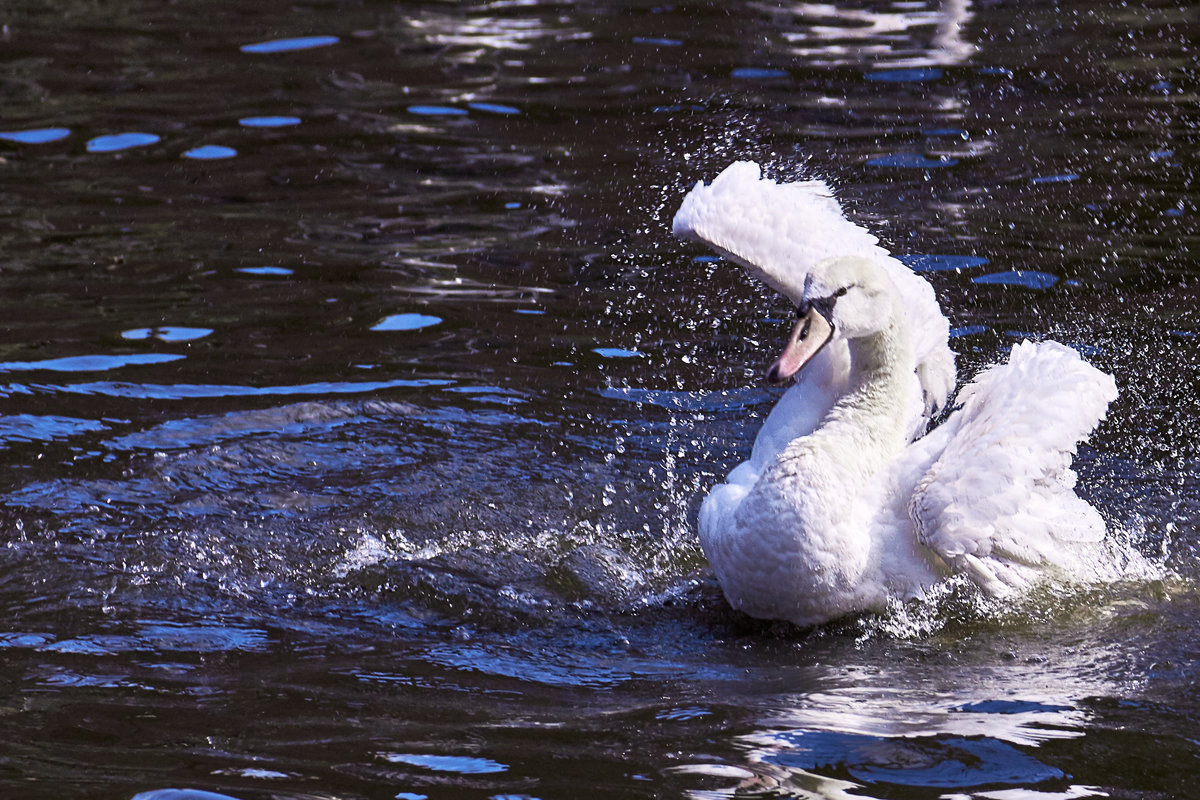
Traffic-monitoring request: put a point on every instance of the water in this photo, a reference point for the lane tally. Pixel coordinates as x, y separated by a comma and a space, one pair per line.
356, 403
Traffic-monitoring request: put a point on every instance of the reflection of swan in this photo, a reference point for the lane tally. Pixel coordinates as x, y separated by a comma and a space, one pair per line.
896, 35
938, 727
840, 505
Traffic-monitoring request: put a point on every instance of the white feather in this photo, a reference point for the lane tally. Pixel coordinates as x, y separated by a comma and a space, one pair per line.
1002, 488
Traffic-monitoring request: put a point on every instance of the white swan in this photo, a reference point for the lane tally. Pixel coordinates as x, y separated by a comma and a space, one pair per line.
843, 503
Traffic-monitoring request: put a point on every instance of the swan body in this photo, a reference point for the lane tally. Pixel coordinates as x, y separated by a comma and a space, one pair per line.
845, 500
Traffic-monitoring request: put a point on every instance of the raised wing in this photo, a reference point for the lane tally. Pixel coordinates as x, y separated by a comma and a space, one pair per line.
777, 231
1001, 495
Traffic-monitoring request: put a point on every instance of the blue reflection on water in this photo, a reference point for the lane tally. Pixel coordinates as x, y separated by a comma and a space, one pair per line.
463, 765
1066, 177
494, 108
35, 428
89, 363
1029, 278
912, 160
285, 45
944, 762
551, 669
1011, 707
36, 136
905, 75
683, 714
434, 111
616, 352
210, 151
491, 394
61, 677
201, 638
758, 72
657, 41
167, 637
928, 262
967, 330
120, 141
166, 334
268, 122
25, 640
406, 322
181, 794
266, 270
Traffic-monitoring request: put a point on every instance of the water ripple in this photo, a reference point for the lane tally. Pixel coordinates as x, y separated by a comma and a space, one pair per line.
38, 428
183, 391
941, 762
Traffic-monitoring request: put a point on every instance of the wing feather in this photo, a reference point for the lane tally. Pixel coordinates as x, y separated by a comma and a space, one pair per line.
777, 231
1002, 489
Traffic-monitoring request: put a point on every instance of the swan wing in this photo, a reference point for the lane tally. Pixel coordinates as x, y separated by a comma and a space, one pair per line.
1000, 496
780, 231
777, 231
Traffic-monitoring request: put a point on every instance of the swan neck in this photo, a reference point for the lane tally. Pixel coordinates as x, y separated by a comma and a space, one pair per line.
871, 419
880, 355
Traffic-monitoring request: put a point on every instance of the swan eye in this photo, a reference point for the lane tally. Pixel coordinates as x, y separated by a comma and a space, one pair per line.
822, 305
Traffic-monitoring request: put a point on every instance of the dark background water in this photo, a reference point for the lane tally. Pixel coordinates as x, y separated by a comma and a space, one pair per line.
354, 417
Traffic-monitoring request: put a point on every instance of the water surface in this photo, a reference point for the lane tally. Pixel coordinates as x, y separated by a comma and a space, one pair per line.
356, 402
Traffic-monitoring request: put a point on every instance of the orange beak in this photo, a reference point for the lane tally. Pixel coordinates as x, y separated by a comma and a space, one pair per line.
811, 332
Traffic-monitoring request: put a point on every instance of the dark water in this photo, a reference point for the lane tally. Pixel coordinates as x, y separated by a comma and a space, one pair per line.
356, 403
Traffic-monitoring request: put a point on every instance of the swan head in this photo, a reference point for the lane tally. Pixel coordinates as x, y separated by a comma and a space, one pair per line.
848, 297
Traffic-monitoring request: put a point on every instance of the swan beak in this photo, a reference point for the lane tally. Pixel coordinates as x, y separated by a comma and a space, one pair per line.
812, 332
